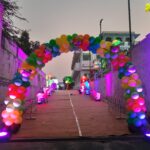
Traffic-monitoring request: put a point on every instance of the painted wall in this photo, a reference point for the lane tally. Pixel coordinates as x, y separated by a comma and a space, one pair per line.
1, 16
11, 57
141, 59
110, 88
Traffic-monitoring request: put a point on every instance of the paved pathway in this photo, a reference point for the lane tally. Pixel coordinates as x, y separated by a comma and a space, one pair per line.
71, 115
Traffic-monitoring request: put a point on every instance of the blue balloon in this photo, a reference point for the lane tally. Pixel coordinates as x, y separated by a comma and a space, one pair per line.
55, 49
91, 40
121, 70
127, 73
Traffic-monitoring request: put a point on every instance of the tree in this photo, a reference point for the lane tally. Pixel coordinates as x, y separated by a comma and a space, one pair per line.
11, 10
24, 42
34, 45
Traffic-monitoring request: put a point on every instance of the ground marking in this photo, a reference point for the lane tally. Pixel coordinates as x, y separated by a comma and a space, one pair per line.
76, 118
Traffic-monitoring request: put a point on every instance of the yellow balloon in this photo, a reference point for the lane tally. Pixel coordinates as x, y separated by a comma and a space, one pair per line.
147, 7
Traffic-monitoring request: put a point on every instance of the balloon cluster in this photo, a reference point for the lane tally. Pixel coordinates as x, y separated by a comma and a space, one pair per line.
84, 85
96, 95
12, 115
131, 83
73, 42
147, 7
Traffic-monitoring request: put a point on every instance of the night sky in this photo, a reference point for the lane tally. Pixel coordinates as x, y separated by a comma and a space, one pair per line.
51, 18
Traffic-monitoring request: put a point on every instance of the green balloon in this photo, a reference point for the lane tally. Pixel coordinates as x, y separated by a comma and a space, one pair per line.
74, 35
120, 75
69, 38
130, 121
52, 42
31, 61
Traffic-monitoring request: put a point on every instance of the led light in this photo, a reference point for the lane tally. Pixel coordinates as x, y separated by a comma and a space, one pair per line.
3, 133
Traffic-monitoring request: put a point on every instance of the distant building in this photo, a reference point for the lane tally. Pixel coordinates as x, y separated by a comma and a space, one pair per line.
83, 62
123, 36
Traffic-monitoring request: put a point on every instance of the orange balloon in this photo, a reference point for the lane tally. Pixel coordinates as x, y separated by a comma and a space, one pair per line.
132, 83
100, 52
18, 120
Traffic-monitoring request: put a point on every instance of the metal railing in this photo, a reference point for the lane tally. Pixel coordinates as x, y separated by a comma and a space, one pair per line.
30, 109
116, 105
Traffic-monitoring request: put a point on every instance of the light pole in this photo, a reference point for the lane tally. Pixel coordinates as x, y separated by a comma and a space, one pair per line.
130, 33
100, 24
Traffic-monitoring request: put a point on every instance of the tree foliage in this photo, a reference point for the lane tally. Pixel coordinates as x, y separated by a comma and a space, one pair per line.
11, 10
25, 43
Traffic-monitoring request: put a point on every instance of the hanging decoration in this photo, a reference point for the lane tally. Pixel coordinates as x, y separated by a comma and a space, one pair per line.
147, 7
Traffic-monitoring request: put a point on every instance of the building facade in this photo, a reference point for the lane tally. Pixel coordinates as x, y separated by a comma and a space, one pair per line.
83, 62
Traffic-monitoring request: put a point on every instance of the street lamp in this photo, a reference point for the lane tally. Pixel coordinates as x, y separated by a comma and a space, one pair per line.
100, 26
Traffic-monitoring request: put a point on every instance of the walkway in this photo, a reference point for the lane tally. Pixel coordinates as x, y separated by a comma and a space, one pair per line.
67, 116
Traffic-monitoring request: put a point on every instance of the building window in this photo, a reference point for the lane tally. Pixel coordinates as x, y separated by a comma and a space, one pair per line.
86, 56
109, 39
119, 38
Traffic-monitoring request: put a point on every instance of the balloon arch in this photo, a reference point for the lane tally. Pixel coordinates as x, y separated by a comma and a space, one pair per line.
130, 82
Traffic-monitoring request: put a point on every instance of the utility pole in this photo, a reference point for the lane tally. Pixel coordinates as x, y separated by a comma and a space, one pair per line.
130, 32
100, 24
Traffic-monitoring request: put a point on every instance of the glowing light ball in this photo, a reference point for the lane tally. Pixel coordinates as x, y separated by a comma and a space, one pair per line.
137, 122
115, 49
139, 89
8, 121
135, 76
141, 115
18, 82
136, 108
132, 83
25, 79
12, 96
141, 101
17, 103
3, 134
131, 69
5, 114
147, 134
7, 100
135, 95
98, 96
9, 108
25, 73
128, 91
